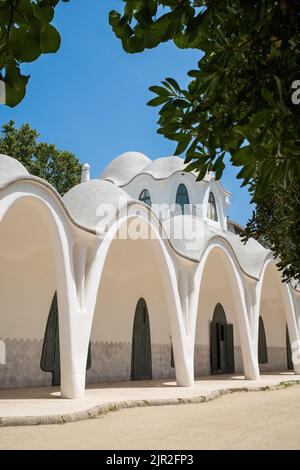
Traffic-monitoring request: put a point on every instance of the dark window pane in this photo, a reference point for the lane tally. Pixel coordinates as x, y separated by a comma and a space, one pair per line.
212, 208
182, 196
145, 197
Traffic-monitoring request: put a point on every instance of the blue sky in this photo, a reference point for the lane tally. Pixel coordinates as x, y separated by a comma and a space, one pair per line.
90, 98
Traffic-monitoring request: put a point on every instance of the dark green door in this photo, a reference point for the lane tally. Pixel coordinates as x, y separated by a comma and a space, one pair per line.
262, 343
141, 362
221, 343
230, 349
50, 360
290, 365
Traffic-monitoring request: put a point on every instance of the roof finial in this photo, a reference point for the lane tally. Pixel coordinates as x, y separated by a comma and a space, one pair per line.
85, 173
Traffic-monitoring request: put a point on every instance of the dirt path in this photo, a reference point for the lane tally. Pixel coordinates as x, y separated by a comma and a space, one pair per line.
253, 420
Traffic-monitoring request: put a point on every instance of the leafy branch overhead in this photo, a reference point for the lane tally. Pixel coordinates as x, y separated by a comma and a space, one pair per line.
26, 32
239, 100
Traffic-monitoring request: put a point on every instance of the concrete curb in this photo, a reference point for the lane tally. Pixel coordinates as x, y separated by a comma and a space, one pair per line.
101, 410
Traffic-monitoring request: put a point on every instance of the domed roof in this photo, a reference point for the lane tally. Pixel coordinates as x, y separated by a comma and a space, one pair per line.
190, 236
165, 167
251, 255
123, 168
10, 169
84, 201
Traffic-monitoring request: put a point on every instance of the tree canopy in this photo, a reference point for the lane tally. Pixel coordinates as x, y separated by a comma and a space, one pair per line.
26, 32
242, 98
60, 168
276, 223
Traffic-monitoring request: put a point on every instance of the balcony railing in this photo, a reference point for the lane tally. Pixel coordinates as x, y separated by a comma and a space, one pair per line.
235, 228
177, 210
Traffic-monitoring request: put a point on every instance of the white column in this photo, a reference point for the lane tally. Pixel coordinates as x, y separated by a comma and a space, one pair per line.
183, 287
74, 326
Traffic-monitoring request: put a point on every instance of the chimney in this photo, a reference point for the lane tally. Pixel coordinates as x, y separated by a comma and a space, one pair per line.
85, 173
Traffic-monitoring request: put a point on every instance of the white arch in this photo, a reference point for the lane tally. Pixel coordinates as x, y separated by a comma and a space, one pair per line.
61, 241
251, 370
286, 297
169, 281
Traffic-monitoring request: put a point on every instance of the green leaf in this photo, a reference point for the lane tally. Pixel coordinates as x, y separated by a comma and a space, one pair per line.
181, 147
242, 156
173, 84
50, 39
25, 44
262, 117
279, 87
43, 12
15, 85
158, 101
159, 90
267, 95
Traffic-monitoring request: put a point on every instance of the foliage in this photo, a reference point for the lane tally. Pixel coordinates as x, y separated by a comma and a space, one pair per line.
60, 168
239, 99
276, 223
26, 32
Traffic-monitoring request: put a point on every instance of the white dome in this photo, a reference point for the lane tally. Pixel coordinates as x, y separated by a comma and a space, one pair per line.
123, 168
10, 169
191, 235
165, 167
84, 201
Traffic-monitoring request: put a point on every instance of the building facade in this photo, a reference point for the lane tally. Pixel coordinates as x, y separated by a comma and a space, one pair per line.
135, 275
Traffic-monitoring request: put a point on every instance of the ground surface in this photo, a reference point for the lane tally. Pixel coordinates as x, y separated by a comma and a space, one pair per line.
46, 401
242, 420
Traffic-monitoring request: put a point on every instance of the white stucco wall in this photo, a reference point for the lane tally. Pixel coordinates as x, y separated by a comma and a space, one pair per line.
27, 285
130, 272
164, 192
274, 317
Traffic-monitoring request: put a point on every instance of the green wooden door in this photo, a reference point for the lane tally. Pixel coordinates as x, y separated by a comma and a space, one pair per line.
262, 343
290, 365
50, 360
221, 343
230, 349
214, 362
141, 361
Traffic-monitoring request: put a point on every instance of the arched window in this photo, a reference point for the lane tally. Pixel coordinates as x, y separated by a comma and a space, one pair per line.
182, 196
145, 197
262, 343
212, 208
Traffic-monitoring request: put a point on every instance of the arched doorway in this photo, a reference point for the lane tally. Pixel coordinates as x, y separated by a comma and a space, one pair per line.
141, 362
273, 312
134, 269
222, 343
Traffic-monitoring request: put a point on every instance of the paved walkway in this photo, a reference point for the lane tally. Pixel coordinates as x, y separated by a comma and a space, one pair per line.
44, 405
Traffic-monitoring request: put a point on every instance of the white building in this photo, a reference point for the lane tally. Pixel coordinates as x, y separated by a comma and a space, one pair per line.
140, 287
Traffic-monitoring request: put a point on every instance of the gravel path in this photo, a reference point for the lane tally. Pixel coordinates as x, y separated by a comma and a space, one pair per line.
243, 420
